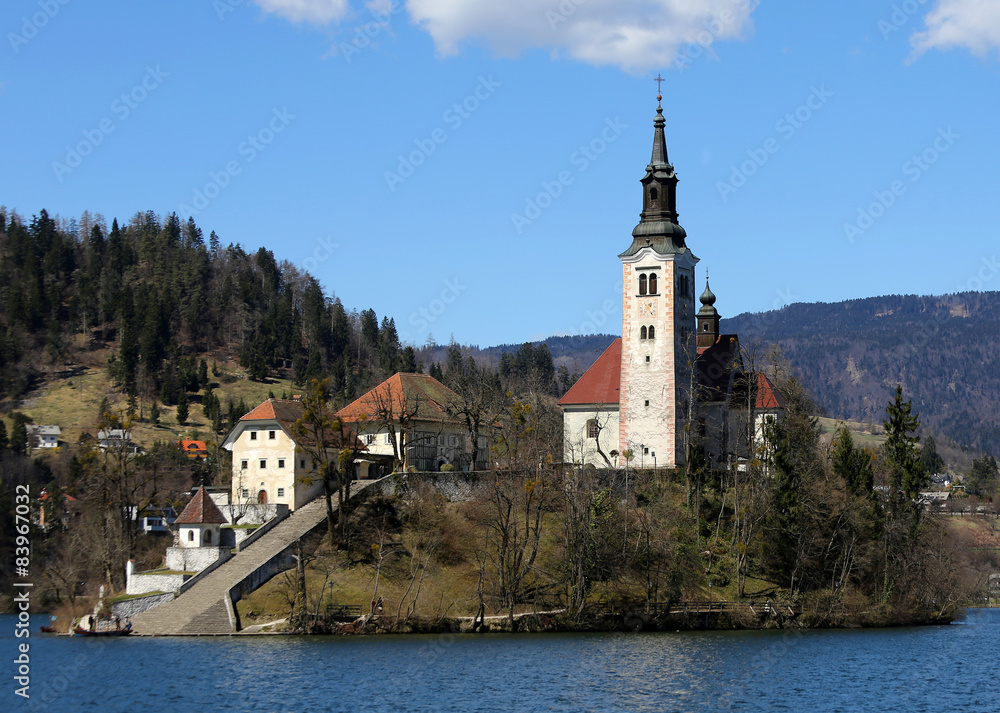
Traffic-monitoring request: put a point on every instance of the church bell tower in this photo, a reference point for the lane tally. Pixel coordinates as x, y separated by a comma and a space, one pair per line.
658, 320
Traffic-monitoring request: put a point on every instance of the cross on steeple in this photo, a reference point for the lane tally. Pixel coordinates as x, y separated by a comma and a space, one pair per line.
659, 80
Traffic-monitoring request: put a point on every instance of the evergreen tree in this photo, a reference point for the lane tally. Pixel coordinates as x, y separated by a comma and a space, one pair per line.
853, 465
932, 462
902, 454
983, 476
182, 408
3, 436
19, 433
408, 361
154, 413
388, 346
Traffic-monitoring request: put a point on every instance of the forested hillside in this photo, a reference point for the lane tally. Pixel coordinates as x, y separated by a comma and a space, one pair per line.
159, 306
851, 355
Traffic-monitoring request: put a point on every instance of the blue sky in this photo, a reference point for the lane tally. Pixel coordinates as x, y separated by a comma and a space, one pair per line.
472, 168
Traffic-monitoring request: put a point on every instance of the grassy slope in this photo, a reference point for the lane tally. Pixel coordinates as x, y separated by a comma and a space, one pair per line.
865, 434
73, 403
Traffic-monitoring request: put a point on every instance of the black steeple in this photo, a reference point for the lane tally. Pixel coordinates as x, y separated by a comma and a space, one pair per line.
708, 318
658, 226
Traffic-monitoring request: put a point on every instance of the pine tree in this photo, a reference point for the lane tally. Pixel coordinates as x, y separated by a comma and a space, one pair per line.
932, 462
900, 448
3, 436
182, 408
154, 412
853, 465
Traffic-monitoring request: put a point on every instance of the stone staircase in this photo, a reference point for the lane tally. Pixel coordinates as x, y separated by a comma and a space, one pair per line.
207, 607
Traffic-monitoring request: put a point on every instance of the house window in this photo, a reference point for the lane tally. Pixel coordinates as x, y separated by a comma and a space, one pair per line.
652, 332
652, 284
388, 439
246, 493
645, 451
647, 359
592, 429
253, 435
302, 463
642, 333
647, 402
281, 492
244, 465
642, 284
190, 535
369, 438
270, 435
281, 462
263, 463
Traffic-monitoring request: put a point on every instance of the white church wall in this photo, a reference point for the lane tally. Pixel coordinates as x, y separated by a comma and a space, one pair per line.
578, 447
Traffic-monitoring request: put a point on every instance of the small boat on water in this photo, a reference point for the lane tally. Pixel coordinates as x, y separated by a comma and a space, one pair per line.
80, 631
94, 626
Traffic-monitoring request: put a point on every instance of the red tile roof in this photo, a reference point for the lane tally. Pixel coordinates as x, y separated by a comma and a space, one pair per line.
286, 412
68, 498
194, 449
601, 383
421, 395
768, 396
202, 510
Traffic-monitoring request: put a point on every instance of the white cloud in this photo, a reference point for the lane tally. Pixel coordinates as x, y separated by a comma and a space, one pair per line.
316, 12
973, 24
635, 35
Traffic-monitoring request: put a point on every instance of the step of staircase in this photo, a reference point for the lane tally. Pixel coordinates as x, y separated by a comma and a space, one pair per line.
202, 609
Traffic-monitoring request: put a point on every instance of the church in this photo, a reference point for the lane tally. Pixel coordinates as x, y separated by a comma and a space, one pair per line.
672, 382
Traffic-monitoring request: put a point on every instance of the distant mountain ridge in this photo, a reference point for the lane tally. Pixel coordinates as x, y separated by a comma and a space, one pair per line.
942, 349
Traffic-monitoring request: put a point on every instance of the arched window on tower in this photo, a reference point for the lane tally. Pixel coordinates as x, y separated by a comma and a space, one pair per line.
652, 284
652, 332
642, 284
652, 194
642, 333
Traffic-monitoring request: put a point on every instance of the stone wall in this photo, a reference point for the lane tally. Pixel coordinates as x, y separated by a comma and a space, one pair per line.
455, 487
231, 537
252, 513
131, 607
195, 559
143, 583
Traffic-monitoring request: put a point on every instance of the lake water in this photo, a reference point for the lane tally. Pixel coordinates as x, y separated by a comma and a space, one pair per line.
942, 668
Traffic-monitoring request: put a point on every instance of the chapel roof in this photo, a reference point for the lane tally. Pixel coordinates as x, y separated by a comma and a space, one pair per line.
601, 383
768, 396
202, 510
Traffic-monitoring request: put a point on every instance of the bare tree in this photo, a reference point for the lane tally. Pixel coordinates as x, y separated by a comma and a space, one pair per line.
331, 446
481, 401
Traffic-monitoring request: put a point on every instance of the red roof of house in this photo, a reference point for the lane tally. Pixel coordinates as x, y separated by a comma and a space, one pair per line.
421, 396
68, 498
601, 383
193, 446
202, 510
287, 412
768, 395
